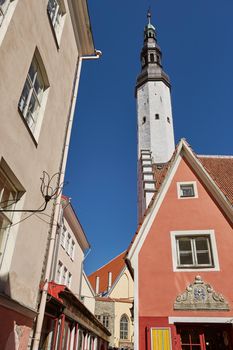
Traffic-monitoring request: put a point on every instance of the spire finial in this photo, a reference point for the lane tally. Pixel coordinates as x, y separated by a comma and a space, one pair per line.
149, 15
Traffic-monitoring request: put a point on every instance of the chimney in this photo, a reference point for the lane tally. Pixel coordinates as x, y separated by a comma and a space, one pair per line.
97, 285
109, 280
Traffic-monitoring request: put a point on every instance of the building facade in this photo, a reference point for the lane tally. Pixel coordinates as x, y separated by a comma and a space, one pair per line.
113, 285
69, 322
42, 44
180, 256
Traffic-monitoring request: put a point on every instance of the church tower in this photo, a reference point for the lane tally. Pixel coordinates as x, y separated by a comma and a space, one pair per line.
154, 117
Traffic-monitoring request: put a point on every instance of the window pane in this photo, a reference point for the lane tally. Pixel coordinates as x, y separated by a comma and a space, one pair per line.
186, 258
24, 97
187, 190
39, 86
185, 244
52, 7
124, 328
32, 94
201, 243
203, 258
32, 71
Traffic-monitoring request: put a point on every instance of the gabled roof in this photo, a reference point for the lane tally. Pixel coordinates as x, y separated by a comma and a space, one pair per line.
114, 266
220, 169
215, 171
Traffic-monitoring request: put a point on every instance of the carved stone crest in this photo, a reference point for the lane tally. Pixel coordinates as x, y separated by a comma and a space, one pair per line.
200, 296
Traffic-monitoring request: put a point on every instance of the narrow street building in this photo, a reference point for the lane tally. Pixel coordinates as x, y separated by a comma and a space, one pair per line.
42, 45
68, 323
113, 286
181, 254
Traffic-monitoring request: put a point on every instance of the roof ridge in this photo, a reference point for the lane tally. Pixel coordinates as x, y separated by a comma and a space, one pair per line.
214, 156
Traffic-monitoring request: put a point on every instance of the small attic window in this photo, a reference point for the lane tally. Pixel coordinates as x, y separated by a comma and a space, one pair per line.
157, 116
143, 120
168, 120
187, 189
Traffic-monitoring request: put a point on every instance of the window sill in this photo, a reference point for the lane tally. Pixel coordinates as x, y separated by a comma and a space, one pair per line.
197, 269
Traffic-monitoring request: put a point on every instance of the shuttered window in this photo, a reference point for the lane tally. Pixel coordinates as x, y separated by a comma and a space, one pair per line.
160, 339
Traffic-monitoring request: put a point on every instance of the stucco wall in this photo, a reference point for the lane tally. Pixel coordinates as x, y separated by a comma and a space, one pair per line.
87, 295
30, 28
124, 286
122, 308
159, 285
107, 308
156, 135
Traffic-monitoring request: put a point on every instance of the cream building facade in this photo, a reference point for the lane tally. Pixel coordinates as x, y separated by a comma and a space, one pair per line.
113, 285
70, 248
87, 294
42, 45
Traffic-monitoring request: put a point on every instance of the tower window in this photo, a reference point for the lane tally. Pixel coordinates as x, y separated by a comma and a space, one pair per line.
152, 59
158, 60
168, 119
156, 116
143, 120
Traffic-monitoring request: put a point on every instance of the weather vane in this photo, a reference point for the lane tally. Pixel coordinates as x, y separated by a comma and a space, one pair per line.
149, 14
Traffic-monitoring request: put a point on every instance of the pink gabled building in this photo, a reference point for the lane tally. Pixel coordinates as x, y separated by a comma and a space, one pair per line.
181, 255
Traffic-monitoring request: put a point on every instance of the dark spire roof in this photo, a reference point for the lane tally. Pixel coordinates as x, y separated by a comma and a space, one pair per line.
151, 57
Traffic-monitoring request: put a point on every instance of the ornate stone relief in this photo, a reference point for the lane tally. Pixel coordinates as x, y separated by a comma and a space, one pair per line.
200, 296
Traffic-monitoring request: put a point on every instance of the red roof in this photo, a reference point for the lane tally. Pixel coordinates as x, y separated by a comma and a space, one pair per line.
220, 169
114, 266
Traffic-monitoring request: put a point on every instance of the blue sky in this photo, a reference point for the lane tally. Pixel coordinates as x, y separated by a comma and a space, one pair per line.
196, 40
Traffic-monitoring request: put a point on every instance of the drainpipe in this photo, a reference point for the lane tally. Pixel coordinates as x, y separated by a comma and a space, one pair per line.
42, 305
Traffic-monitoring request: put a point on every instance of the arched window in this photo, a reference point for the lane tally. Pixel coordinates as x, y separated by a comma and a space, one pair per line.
124, 327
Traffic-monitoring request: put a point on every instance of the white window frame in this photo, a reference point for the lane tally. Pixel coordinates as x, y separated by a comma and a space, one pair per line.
63, 236
64, 275
33, 119
123, 338
105, 320
68, 242
6, 13
194, 233
69, 279
186, 183
57, 18
72, 249
59, 272
10, 185
3, 10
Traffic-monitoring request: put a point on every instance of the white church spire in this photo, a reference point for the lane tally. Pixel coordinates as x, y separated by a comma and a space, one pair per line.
154, 115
